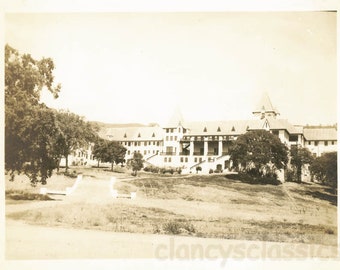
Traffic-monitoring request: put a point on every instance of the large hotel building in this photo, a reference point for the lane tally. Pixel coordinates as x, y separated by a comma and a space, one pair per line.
206, 144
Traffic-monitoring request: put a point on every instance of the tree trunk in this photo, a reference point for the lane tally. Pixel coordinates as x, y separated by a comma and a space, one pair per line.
111, 166
66, 163
299, 173
58, 164
98, 163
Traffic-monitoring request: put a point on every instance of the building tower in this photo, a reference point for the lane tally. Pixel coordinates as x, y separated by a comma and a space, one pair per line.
265, 109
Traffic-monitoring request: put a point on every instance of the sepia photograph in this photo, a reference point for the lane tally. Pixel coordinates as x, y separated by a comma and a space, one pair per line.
205, 137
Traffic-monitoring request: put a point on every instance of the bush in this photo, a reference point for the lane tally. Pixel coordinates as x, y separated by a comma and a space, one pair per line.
211, 171
172, 227
71, 174
198, 168
170, 170
177, 227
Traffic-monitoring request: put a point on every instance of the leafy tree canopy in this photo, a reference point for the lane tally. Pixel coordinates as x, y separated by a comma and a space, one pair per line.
136, 162
74, 133
300, 156
109, 151
25, 144
259, 153
325, 169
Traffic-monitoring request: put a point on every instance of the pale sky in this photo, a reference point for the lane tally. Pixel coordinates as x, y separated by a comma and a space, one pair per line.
138, 67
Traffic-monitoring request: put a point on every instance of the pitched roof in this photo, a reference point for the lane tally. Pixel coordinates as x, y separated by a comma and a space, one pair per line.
265, 105
284, 124
176, 119
222, 127
320, 134
133, 134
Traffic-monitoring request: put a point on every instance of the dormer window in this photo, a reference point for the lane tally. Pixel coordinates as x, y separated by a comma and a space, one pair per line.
138, 135
125, 135
153, 134
218, 129
205, 129
233, 128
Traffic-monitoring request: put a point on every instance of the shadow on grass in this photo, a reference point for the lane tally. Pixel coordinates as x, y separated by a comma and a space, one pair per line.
26, 196
321, 195
253, 180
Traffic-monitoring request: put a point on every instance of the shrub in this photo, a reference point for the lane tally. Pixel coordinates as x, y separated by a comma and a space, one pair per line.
172, 227
71, 174
198, 168
211, 171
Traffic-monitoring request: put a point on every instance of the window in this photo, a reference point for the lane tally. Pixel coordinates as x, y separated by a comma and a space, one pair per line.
275, 132
125, 135
138, 143
332, 142
171, 138
175, 138
144, 152
135, 143
167, 138
138, 135
167, 130
326, 143
165, 159
145, 143
195, 159
205, 129
128, 152
186, 159
153, 134
181, 159
233, 128
179, 130
169, 159
129, 143
172, 130
218, 129
293, 138
309, 143
316, 143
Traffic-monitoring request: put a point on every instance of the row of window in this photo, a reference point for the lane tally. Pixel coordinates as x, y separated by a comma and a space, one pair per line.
140, 143
171, 138
183, 159
145, 152
316, 143
209, 138
172, 130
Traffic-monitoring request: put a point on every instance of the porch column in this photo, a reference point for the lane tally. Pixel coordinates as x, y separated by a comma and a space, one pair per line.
220, 146
205, 151
192, 146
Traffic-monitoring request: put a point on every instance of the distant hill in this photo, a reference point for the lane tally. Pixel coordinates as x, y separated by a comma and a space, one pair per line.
102, 125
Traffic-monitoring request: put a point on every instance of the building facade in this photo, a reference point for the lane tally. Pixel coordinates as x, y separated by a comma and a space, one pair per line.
206, 143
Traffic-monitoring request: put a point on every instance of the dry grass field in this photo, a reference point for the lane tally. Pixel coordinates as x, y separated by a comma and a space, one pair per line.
197, 205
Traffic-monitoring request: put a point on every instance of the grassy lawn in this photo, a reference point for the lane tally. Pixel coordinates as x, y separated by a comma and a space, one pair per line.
197, 205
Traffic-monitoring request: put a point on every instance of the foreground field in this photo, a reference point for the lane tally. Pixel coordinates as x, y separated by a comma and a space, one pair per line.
202, 206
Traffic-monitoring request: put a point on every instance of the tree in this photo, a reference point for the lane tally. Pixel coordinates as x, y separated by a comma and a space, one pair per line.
109, 151
259, 153
136, 162
99, 151
75, 133
300, 157
25, 78
325, 169
40, 142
